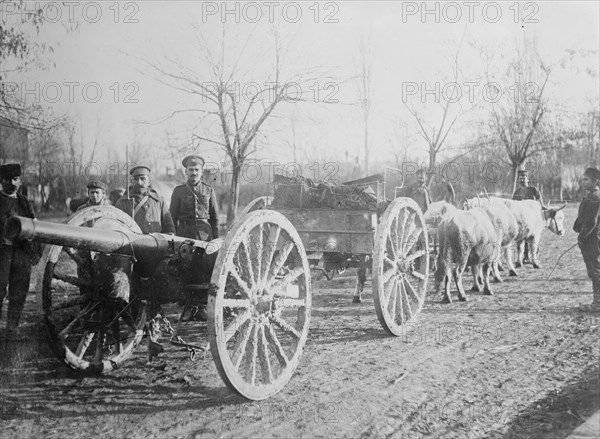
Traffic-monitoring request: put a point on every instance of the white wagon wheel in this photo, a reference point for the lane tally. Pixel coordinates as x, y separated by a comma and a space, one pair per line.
259, 305
400, 265
89, 331
256, 204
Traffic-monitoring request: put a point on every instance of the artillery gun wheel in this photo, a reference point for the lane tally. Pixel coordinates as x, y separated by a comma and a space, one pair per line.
256, 204
400, 265
90, 332
259, 305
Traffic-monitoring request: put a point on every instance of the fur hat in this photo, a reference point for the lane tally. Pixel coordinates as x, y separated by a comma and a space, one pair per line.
10, 171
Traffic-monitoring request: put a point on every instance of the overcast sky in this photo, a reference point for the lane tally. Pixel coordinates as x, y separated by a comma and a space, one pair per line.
108, 51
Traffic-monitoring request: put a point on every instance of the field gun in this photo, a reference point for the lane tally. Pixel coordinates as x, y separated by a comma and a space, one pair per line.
102, 281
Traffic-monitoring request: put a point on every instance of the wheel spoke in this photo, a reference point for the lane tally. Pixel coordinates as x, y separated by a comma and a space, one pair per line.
409, 227
399, 305
408, 309
73, 280
240, 346
416, 255
400, 228
84, 344
285, 326
272, 240
411, 291
281, 258
392, 239
258, 252
388, 275
250, 371
241, 283
417, 275
279, 352
236, 324
263, 355
412, 240
279, 284
248, 260
78, 317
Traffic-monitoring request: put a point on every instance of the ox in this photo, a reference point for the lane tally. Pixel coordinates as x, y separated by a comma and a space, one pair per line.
532, 218
505, 224
465, 238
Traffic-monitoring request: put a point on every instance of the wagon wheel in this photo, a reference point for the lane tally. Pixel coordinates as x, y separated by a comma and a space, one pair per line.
91, 331
256, 204
400, 265
259, 305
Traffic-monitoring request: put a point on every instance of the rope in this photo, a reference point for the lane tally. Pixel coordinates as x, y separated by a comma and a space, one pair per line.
560, 257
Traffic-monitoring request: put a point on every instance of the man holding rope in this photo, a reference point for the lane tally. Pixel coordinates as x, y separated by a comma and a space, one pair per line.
587, 225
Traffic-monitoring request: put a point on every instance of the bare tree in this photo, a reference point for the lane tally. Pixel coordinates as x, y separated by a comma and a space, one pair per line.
240, 117
517, 111
365, 90
436, 133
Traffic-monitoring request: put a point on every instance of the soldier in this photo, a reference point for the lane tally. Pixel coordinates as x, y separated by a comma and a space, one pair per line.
195, 213
525, 192
15, 258
194, 204
587, 225
146, 206
148, 210
96, 194
418, 191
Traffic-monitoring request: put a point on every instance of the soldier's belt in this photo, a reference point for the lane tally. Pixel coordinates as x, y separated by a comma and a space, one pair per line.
194, 221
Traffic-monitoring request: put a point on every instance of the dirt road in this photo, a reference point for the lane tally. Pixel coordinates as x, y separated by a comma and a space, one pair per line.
522, 363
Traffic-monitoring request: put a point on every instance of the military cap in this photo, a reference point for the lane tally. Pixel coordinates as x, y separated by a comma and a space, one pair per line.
96, 185
592, 173
10, 171
139, 170
192, 160
523, 172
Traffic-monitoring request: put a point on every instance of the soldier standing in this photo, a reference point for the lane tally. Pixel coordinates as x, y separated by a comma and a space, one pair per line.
15, 258
195, 213
148, 210
525, 192
194, 204
587, 225
145, 205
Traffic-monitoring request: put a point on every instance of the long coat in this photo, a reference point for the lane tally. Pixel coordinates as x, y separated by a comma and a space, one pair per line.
194, 211
153, 216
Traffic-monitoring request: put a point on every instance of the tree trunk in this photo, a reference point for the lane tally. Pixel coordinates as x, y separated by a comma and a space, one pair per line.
234, 193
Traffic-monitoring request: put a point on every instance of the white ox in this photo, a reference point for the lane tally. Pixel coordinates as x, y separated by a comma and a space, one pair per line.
505, 224
464, 238
532, 218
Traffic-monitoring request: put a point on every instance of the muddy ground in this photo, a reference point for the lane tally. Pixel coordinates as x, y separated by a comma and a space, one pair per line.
522, 363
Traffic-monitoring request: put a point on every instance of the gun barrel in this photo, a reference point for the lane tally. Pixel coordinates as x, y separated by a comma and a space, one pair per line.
100, 240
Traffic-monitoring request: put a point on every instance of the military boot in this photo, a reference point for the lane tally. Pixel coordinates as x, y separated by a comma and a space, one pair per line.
593, 307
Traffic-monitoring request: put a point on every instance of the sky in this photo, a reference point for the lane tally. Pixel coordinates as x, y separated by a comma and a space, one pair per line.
410, 47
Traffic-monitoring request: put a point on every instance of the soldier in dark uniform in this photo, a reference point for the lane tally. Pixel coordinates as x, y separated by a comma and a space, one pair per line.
145, 205
15, 258
587, 225
194, 204
418, 191
525, 192
149, 211
195, 213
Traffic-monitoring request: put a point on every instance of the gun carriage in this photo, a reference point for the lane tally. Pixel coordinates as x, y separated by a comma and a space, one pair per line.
102, 282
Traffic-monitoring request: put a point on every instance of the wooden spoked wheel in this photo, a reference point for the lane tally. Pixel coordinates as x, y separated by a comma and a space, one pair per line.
92, 328
400, 265
259, 305
256, 204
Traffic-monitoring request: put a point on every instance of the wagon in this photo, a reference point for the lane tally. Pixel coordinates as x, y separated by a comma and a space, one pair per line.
387, 235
